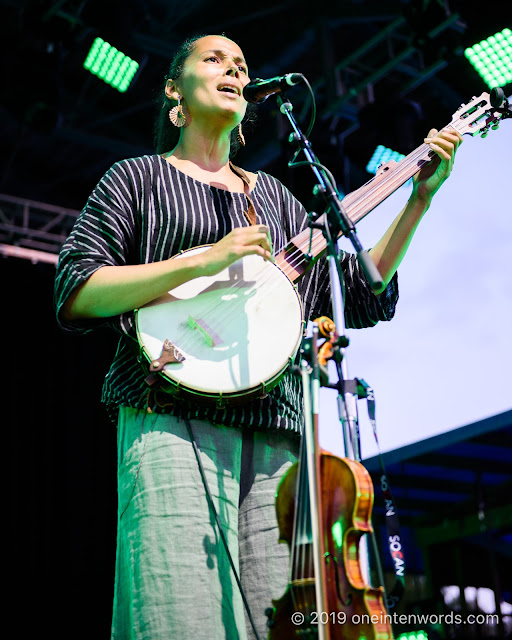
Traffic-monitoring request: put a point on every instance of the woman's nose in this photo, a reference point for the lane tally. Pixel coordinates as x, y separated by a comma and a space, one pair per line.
232, 70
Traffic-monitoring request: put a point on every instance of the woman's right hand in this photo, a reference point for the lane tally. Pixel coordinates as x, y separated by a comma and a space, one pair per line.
239, 242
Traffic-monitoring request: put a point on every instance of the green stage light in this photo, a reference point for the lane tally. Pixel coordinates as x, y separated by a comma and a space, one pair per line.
492, 58
109, 64
381, 155
413, 635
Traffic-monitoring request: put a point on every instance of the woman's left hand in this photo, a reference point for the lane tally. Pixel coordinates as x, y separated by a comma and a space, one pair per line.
445, 144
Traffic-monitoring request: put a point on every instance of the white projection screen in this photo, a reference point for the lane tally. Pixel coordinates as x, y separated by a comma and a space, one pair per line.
445, 359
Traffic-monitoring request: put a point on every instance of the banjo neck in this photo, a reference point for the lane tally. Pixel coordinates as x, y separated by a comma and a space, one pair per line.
302, 251
476, 117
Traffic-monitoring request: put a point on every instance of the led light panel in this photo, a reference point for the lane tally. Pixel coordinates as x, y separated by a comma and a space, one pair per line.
381, 155
492, 58
110, 65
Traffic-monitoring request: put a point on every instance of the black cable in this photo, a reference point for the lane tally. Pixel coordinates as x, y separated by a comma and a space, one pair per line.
292, 163
313, 106
312, 117
221, 531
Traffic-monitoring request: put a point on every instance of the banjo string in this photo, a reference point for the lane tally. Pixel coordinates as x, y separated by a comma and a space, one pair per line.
296, 256
270, 281
217, 314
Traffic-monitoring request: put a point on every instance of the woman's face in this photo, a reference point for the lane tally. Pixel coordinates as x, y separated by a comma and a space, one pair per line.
213, 78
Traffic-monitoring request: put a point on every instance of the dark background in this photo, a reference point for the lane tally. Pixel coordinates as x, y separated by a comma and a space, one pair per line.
62, 128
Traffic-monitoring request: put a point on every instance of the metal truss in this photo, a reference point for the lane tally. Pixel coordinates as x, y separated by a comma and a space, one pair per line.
390, 50
33, 230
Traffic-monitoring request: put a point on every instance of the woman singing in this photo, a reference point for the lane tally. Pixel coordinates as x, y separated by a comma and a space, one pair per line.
174, 577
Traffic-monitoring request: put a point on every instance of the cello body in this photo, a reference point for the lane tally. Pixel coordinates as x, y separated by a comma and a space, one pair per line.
353, 610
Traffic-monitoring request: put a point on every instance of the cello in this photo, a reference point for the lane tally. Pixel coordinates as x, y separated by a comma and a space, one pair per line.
324, 506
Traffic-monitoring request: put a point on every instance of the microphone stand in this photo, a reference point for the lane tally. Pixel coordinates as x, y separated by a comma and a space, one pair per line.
335, 222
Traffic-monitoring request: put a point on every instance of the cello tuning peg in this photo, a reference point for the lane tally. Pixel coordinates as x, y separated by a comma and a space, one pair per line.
495, 126
485, 132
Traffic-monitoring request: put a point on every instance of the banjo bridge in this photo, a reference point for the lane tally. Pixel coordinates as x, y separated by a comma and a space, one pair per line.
209, 336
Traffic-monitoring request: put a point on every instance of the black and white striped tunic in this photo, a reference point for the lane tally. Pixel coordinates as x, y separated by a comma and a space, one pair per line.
145, 210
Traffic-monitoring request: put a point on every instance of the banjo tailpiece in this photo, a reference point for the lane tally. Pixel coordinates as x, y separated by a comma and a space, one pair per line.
168, 355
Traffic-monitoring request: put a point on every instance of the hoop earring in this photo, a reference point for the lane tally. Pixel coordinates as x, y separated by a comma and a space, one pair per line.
176, 115
240, 135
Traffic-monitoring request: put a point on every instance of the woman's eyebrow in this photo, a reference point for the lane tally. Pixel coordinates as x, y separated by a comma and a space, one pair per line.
223, 54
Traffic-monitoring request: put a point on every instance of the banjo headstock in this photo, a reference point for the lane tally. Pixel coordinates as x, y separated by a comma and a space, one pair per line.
482, 113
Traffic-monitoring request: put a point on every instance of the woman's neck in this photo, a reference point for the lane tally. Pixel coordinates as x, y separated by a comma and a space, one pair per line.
207, 151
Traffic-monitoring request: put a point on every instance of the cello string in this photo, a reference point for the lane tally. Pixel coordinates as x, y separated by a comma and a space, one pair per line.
295, 548
307, 572
298, 573
299, 597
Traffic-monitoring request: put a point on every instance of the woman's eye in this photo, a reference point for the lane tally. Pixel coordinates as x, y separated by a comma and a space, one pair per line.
242, 69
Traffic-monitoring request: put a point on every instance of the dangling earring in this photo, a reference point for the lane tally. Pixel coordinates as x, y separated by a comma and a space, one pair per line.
240, 135
176, 115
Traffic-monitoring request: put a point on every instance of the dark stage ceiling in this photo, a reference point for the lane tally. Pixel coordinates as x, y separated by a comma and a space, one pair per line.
382, 72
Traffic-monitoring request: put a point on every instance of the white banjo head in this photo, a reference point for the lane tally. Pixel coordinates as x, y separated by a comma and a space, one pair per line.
236, 331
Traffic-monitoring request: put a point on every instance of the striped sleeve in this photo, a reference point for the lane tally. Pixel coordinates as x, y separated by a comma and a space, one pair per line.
102, 235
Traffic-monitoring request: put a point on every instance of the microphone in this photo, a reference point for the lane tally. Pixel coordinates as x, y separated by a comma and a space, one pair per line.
259, 90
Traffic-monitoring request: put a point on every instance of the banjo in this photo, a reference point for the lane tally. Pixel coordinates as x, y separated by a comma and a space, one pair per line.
230, 338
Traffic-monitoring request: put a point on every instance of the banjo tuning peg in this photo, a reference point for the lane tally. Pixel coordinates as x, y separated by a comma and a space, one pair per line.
497, 97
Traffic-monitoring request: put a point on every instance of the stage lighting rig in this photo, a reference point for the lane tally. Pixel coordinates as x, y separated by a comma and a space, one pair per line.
110, 65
